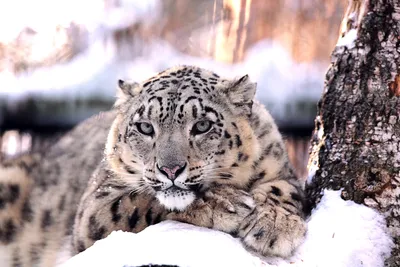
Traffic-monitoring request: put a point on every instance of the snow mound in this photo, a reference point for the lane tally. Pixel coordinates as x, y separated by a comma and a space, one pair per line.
341, 234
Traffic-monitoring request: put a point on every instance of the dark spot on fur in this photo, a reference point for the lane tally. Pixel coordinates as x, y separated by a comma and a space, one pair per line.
149, 216
190, 98
266, 130
296, 197
141, 110
278, 151
220, 152
8, 194
234, 233
260, 233
70, 224
194, 111
27, 213
238, 141
80, 214
132, 196
242, 157
16, 258
81, 246
47, 220
101, 194
158, 218
245, 226
134, 218
272, 242
274, 200
225, 175
211, 110
8, 232
244, 205
14, 192
276, 191
96, 232
61, 203
118, 187
230, 144
227, 135
34, 253
268, 149
150, 111
261, 175
289, 203
3, 196
114, 211
129, 170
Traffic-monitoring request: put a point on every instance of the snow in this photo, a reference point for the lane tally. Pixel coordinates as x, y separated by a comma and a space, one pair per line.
312, 170
341, 234
91, 73
43, 15
353, 16
349, 39
282, 81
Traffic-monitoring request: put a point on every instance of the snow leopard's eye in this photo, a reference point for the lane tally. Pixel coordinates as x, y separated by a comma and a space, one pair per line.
145, 128
201, 127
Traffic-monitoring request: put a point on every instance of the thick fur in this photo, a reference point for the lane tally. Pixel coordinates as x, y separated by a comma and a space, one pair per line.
236, 176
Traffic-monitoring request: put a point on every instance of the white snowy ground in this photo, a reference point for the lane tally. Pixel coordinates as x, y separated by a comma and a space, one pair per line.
341, 234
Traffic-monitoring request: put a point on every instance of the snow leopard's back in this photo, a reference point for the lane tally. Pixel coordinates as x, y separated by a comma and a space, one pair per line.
39, 194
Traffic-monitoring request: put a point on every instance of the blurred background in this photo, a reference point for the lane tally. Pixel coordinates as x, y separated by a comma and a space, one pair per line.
60, 59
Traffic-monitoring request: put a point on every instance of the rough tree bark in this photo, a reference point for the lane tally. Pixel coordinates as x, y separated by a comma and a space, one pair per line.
356, 142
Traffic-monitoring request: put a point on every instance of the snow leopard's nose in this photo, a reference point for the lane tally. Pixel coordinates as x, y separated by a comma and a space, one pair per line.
172, 172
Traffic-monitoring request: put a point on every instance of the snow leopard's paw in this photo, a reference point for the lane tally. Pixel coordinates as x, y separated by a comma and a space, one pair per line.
198, 213
272, 231
221, 208
230, 207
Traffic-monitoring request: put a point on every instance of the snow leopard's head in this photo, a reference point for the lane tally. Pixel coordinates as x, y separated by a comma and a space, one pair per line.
180, 131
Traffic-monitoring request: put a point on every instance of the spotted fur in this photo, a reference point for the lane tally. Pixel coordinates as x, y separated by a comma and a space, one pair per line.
184, 145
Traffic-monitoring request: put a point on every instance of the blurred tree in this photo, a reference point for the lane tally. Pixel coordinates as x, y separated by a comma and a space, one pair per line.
356, 143
225, 29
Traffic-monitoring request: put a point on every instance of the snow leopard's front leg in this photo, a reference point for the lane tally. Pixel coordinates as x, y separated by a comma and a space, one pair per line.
269, 220
277, 225
110, 205
222, 207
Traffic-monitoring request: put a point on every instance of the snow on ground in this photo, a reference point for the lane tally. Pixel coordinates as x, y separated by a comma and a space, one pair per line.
341, 234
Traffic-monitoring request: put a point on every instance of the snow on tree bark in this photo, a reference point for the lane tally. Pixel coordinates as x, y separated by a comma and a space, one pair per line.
356, 142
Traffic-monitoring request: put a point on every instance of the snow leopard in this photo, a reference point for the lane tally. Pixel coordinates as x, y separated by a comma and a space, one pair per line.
185, 145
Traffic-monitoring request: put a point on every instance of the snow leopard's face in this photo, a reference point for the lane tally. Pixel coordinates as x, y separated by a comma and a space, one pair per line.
180, 131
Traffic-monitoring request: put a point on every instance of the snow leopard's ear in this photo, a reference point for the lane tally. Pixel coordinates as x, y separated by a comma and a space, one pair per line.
241, 93
128, 88
126, 91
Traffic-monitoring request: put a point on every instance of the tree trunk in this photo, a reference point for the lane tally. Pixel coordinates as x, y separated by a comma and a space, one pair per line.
356, 142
